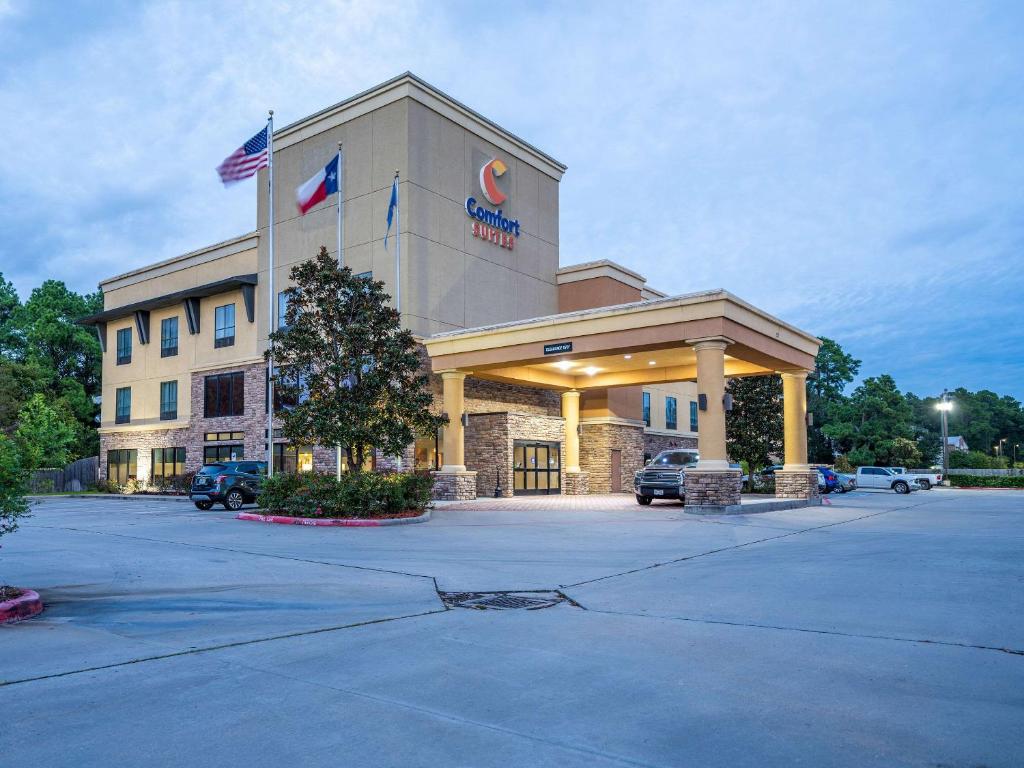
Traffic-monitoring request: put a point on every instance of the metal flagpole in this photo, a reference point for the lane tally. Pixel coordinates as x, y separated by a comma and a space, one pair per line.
341, 260
270, 291
398, 251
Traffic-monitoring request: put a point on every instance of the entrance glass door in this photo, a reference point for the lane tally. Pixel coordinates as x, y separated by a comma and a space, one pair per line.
536, 468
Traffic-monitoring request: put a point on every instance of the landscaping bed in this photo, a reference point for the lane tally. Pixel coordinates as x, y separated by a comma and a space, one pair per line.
987, 482
358, 498
17, 604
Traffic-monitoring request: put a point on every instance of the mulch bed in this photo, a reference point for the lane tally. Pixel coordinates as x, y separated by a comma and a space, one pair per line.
9, 593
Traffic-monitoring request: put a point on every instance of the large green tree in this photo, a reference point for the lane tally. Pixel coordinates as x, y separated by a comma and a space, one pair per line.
45, 434
10, 343
347, 372
13, 486
754, 427
865, 426
835, 369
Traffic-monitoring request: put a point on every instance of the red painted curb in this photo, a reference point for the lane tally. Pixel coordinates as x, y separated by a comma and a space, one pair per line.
335, 522
24, 606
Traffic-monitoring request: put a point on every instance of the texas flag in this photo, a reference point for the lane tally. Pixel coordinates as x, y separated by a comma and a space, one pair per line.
323, 183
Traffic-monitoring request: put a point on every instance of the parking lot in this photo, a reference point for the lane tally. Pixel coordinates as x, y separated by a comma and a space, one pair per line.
880, 630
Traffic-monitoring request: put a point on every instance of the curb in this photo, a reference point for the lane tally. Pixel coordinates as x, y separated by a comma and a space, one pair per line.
986, 488
24, 606
111, 497
332, 522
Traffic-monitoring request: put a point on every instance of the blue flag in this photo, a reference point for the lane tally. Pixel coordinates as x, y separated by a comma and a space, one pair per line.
391, 210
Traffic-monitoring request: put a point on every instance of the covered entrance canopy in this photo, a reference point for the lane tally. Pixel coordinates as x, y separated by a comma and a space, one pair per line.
705, 337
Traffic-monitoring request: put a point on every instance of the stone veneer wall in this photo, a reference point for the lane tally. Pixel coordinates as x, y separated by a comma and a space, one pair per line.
596, 444
713, 489
490, 438
655, 444
796, 485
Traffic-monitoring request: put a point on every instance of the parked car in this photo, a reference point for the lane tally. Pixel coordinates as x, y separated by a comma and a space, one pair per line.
231, 483
924, 479
663, 477
828, 480
846, 482
831, 478
881, 477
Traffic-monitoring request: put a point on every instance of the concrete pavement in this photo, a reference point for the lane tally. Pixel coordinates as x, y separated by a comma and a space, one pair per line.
880, 631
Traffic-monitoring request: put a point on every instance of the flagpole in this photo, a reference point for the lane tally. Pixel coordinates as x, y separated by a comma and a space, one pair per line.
271, 297
341, 263
398, 251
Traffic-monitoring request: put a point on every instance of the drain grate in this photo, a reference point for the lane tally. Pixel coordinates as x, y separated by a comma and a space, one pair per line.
503, 601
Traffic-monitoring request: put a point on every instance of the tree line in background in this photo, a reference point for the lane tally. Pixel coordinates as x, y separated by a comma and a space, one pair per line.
49, 375
875, 424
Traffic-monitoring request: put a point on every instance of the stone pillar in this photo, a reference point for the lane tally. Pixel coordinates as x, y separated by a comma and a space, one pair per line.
452, 482
577, 482
712, 486
796, 480
453, 383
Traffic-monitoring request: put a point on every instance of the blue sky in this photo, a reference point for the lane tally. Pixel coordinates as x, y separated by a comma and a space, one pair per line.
855, 168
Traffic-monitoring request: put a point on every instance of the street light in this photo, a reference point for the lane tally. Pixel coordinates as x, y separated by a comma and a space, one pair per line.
945, 405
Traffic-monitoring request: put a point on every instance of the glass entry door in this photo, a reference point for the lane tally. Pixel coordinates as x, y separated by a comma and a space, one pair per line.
536, 468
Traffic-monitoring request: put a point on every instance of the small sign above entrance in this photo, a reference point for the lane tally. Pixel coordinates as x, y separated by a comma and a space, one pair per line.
557, 349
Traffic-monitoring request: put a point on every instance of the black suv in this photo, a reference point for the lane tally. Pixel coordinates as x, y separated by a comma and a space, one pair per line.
231, 483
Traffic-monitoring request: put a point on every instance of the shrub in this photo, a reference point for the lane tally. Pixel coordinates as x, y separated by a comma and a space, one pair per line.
980, 481
357, 494
13, 485
843, 465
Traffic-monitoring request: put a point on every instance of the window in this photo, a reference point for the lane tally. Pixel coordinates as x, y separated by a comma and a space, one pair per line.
121, 465
670, 413
169, 337
693, 415
168, 400
214, 453
168, 463
288, 458
224, 326
124, 346
364, 276
647, 409
224, 395
123, 405
282, 309
209, 436
428, 452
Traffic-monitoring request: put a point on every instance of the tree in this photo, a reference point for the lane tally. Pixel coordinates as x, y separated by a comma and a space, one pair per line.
753, 429
865, 426
18, 382
834, 371
346, 372
13, 486
45, 434
10, 343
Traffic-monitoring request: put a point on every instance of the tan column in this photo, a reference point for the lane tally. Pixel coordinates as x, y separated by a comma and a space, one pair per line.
711, 382
794, 408
571, 414
454, 432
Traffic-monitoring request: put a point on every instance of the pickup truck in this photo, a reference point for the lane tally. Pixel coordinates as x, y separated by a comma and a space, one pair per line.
881, 477
665, 476
924, 479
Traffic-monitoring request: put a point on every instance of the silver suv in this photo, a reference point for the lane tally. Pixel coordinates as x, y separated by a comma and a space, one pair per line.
663, 477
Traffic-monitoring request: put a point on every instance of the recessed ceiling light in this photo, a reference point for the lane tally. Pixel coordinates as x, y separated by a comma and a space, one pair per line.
627, 357
591, 370
653, 362
564, 365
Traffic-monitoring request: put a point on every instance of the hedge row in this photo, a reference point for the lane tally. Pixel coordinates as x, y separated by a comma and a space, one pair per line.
357, 494
985, 481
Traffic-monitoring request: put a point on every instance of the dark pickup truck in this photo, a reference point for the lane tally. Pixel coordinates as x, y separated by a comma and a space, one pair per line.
663, 477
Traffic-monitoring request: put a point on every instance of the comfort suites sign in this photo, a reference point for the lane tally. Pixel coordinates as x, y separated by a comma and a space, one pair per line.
490, 222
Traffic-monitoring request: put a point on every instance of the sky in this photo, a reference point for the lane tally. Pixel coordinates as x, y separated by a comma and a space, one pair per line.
856, 169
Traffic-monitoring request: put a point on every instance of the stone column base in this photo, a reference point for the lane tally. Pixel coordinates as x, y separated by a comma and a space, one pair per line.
796, 484
454, 486
576, 484
711, 493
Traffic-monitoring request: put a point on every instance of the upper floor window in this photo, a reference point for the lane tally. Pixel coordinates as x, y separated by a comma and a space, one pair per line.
168, 400
224, 326
169, 337
647, 409
693, 415
123, 405
670, 413
224, 395
282, 309
124, 346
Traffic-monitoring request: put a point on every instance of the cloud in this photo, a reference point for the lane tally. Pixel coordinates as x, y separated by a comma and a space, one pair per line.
853, 169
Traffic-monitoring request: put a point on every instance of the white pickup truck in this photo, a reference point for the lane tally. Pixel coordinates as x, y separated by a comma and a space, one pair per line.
924, 479
882, 477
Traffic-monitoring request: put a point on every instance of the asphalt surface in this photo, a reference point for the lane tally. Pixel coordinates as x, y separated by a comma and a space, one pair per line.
880, 630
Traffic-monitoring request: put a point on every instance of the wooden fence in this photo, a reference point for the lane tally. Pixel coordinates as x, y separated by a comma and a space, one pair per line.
77, 476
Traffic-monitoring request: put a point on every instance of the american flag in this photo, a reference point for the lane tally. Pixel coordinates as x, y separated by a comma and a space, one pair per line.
246, 160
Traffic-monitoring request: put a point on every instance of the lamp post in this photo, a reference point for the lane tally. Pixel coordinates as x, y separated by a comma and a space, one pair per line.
999, 448
945, 406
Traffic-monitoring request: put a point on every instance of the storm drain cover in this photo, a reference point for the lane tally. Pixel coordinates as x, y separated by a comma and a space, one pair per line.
503, 601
